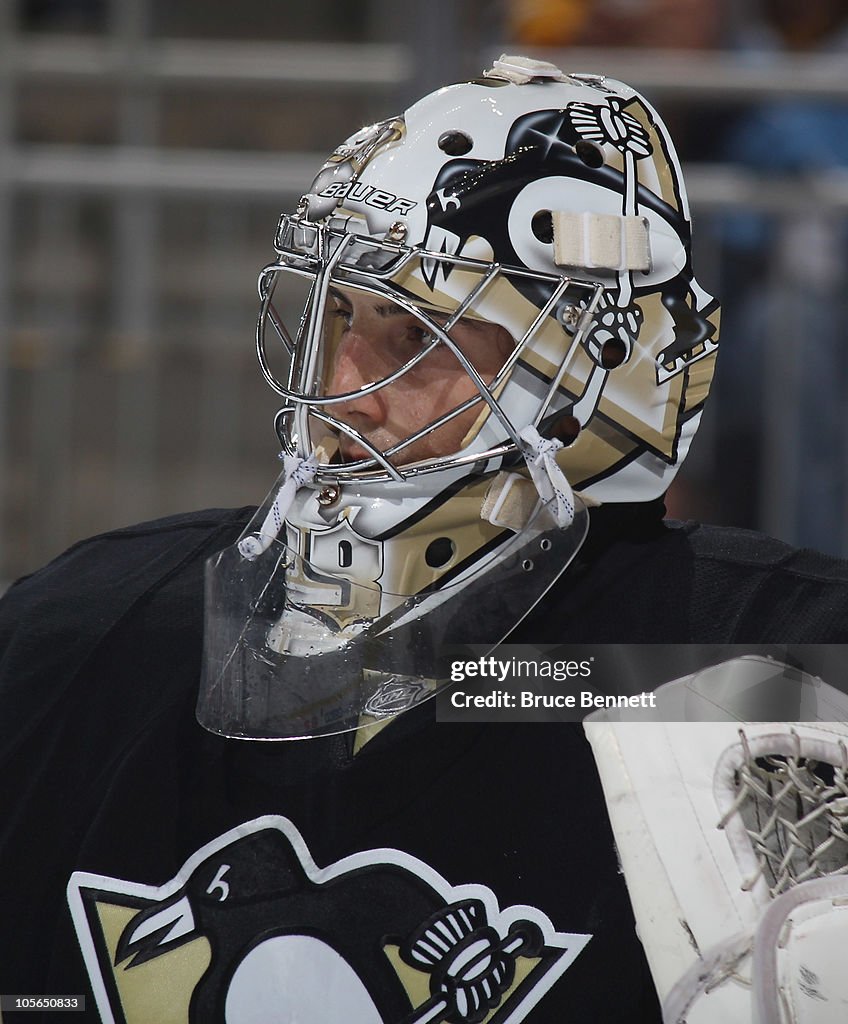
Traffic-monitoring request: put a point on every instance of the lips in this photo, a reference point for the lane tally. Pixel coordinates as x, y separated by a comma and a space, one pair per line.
351, 451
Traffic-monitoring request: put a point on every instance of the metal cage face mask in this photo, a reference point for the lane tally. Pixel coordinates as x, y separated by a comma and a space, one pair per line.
392, 364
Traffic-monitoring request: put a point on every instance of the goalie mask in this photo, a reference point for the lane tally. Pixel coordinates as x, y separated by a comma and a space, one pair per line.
479, 308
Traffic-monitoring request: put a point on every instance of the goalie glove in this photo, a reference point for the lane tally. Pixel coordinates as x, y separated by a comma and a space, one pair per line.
733, 839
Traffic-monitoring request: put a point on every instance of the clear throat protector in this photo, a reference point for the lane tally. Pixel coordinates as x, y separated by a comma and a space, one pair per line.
305, 640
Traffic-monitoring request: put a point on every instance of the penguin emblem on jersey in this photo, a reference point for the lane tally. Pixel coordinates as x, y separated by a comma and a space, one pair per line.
252, 931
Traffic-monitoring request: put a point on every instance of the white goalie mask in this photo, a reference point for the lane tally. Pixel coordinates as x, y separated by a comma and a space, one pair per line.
479, 308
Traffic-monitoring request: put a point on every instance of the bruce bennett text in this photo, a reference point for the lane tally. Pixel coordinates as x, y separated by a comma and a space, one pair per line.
530, 699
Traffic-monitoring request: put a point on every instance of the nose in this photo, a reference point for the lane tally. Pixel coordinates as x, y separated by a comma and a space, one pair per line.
351, 370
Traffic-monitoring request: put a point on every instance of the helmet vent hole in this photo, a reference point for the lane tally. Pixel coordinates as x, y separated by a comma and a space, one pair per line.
589, 153
345, 554
455, 143
439, 552
613, 353
566, 429
542, 226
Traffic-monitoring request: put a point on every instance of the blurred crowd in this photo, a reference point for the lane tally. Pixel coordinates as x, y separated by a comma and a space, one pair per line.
773, 450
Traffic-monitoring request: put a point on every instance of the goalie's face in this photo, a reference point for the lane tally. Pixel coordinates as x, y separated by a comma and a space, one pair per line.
371, 338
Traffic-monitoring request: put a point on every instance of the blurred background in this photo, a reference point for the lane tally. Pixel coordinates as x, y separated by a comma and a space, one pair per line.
147, 148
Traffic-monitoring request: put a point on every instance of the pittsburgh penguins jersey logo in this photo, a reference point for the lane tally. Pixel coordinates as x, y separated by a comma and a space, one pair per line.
252, 931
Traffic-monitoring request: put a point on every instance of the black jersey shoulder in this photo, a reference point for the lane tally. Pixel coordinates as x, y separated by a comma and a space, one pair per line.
142, 583
675, 583
761, 589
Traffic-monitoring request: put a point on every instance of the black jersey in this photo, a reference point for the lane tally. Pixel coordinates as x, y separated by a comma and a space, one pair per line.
458, 872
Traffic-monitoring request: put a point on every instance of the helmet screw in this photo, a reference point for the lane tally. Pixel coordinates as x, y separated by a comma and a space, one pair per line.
328, 495
397, 231
570, 317
585, 78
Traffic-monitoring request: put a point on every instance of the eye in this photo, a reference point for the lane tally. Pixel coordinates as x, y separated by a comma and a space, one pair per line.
341, 314
419, 335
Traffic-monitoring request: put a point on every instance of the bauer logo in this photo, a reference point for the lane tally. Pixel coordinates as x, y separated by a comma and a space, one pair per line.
251, 929
357, 192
